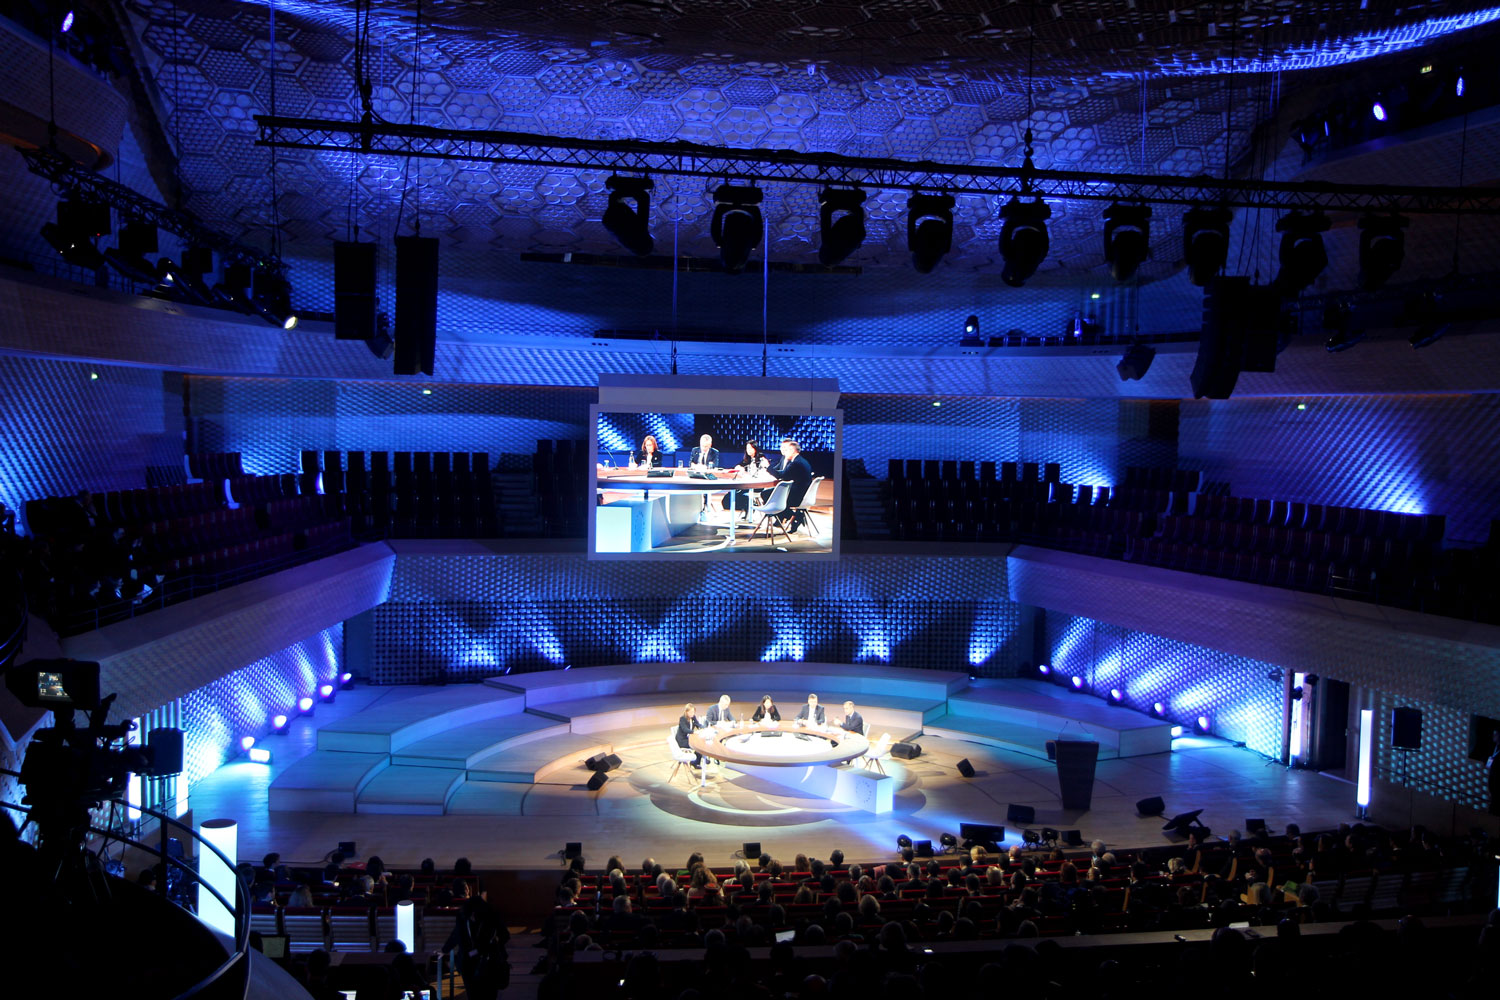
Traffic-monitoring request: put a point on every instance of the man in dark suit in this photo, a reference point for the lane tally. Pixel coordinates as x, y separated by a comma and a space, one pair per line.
719, 713
853, 721
795, 469
705, 456
812, 711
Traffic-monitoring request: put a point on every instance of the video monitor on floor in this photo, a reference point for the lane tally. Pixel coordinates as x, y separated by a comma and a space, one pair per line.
715, 485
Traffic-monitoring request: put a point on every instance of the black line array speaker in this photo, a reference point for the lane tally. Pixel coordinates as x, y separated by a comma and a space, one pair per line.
166, 751
416, 304
1238, 334
906, 751
1154, 806
353, 290
1020, 815
1406, 728
965, 768
597, 781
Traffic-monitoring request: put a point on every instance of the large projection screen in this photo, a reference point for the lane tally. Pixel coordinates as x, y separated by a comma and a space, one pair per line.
767, 485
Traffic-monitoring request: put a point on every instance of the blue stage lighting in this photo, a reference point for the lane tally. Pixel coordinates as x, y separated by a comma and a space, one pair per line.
305, 705
1077, 683
260, 755
1116, 696
326, 692
279, 724
346, 680
67, 22
1158, 709
1043, 669
1378, 110
1203, 723
246, 742
1458, 86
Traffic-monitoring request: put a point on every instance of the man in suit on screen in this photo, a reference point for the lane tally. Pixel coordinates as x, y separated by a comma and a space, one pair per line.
795, 469
812, 712
720, 712
705, 456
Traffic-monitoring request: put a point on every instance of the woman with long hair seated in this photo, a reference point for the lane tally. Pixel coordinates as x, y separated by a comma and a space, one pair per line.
766, 709
752, 465
649, 454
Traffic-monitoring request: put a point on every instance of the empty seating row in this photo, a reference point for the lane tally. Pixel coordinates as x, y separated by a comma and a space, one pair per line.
351, 928
1323, 517
1010, 472
215, 465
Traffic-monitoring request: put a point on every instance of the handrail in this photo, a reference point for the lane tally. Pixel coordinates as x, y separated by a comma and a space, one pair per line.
241, 913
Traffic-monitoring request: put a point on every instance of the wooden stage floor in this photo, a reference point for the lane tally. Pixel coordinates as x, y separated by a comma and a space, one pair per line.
640, 812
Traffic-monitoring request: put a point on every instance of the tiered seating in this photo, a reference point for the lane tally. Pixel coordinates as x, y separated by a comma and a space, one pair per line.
1170, 518
122, 553
334, 924
409, 494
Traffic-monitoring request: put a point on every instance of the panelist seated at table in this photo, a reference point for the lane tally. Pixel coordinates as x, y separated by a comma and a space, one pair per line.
647, 456
720, 713
754, 464
812, 713
852, 722
687, 724
705, 456
766, 710
795, 469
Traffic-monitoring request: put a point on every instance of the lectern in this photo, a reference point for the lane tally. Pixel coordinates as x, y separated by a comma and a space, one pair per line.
1075, 770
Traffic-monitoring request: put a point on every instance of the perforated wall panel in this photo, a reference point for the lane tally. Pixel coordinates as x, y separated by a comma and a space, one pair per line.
1241, 702
1437, 454
62, 429
216, 716
468, 617
1441, 767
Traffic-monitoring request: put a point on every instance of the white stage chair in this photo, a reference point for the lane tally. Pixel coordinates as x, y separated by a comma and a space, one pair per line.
878, 752
682, 756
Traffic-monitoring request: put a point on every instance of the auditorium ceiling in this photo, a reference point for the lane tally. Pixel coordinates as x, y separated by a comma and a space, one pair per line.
1151, 86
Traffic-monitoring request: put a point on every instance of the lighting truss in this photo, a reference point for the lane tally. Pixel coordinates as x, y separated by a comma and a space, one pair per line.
72, 180
689, 159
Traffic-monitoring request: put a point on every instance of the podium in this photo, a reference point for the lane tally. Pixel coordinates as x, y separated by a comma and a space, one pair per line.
1075, 770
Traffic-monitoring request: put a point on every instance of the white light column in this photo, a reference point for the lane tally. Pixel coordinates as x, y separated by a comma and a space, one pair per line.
1366, 750
406, 925
223, 834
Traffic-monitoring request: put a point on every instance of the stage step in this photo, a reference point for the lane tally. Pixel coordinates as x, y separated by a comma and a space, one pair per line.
407, 715
325, 781
410, 791
1026, 712
531, 762
466, 746
1008, 735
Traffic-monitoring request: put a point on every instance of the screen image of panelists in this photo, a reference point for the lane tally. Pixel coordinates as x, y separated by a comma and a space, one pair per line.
674, 483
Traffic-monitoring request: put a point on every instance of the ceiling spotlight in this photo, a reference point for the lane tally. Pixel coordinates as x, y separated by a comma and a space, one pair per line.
1382, 247
1301, 256
628, 217
67, 22
736, 227
929, 229
842, 221
137, 240
1023, 239
177, 281
1127, 238
971, 336
271, 299
1336, 316
1205, 242
1136, 362
1458, 85
73, 234
1378, 110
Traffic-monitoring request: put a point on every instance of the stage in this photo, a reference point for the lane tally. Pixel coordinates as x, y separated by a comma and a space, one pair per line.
465, 771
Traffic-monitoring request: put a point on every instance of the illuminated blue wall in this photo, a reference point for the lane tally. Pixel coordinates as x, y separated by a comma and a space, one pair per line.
62, 430
1235, 692
468, 617
217, 715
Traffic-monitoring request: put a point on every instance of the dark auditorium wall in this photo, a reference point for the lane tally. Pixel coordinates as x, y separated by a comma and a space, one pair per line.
472, 616
62, 430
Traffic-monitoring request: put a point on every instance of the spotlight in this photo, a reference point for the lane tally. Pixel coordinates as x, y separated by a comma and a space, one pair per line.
72, 235
843, 235
260, 755
1203, 723
903, 842
305, 705
1136, 362
1044, 669
929, 229
971, 336
628, 216
1205, 242
234, 291
1077, 683
326, 692
67, 22
279, 725
137, 239
271, 299
1302, 256
177, 281
1176, 731
1127, 238
1458, 85
1382, 246
1023, 239
949, 841
1378, 110
346, 680
246, 742
1116, 696
1158, 709
1049, 835
1343, 339
1031, 837
736, 227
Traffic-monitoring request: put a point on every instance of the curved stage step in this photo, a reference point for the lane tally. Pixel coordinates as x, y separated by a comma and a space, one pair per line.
410, 791
1025, 714
403, 717
533, 762
325, 781
466, 746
